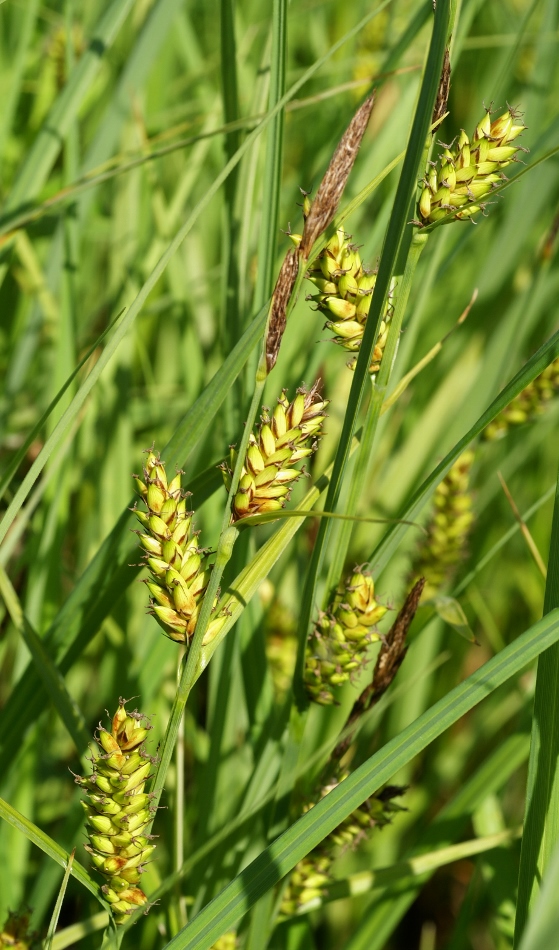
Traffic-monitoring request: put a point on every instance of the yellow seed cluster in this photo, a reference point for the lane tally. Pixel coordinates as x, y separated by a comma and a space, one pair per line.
345, 289
470, 169
448, 529
312, 875
16, 934
339, 643
528, 405
118, 810
285, 436
179, 568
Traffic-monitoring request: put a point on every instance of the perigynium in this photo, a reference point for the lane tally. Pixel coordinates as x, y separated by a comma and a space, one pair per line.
345, 288
179, 568
468, 169
337, 648
118, 809
287, 435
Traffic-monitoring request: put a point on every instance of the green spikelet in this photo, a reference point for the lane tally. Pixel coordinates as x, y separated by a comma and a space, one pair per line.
179, 568
118, 810
448, 529
469, 170
312, 875
286, 436
339, 643
345, 289
528, 405
16, 934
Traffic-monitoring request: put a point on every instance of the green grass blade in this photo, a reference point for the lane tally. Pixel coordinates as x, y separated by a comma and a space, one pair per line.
542, 358
76, 932
50, 847
67, 708
19, 456
281, 856
383, 917
46, 146
543, 923
59, 901
272, 169
541, 826
404, 873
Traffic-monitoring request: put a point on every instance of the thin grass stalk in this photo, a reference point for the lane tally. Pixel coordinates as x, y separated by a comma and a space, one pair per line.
379, 388
272, 167
541, 824
230, 306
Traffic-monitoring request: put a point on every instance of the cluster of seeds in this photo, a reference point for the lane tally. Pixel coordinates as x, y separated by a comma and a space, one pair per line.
345, 289
16, 934
448, 529
179, 567
118, 810
468, 170
310, 878
286, 436
339, 643
529, 404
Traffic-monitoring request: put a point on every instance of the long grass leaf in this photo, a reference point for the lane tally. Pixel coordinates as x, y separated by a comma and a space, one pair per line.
281, 856
50, 847
46, 147
541, 826
59, 901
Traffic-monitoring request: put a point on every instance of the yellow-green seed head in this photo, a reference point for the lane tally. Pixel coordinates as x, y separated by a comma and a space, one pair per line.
15, 933
448, 528
338, 646
528, 405
345, 291
180, 570
118, 811
313, 874
285, 437
470, 169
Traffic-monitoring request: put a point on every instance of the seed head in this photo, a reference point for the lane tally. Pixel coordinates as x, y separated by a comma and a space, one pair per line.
528, 405
338, 646
285, 437
118, 810
345, 289
179, 568
448, 528
470, 169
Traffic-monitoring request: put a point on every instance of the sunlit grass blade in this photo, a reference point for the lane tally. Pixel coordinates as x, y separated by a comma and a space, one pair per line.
541, 926
545, 355
281, 856
50, 847
67, 708
541, 825
59, 901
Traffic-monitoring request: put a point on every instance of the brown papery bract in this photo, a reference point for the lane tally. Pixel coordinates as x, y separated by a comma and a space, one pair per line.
330, 190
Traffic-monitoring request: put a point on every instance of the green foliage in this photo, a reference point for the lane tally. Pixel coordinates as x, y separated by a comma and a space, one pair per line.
150, 153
